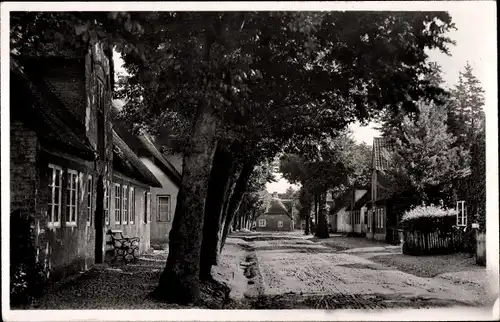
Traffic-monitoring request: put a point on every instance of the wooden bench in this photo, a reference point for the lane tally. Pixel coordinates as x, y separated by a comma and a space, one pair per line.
126, 249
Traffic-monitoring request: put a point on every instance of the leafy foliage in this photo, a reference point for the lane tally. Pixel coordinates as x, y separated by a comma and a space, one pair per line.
466, 120
424, 161
429, 218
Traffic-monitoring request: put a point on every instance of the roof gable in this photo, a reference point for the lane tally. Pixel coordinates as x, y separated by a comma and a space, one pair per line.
276, 206
359, 201
128, 163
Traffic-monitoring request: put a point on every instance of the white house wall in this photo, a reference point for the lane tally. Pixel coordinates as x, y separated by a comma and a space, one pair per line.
160, 230
343, 222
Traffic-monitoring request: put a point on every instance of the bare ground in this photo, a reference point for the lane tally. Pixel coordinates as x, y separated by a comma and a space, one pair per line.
287, 271
299, 272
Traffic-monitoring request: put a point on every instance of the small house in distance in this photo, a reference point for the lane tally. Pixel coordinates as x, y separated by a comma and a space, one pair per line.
276, 218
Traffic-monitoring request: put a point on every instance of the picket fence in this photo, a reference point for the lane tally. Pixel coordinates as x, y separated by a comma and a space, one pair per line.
435, 242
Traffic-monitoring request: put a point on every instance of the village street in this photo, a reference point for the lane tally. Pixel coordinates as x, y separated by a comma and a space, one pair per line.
292, 271
286, 271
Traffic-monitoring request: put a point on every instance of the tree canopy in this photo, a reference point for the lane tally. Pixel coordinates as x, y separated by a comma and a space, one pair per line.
424, 160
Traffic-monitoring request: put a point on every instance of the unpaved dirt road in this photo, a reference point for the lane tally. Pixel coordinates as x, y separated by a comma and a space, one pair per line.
289, 271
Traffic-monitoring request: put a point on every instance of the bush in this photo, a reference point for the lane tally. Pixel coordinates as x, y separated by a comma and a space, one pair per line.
429, 218
27, 277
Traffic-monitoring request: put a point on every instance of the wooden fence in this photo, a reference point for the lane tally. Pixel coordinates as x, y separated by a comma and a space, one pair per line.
435, 242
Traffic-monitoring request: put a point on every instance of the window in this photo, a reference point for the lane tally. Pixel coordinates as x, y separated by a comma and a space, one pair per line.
117, 203
368, 223
262, 223
106, 201
71, 197
132, 205
89, 200
163, 213
280, 223
125, 205
380, 218
54, 195
461, 214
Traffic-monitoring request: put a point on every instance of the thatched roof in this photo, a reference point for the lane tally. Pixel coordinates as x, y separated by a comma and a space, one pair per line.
276, 207
33, 103
379, 161
144, 145
164, 164
128, 163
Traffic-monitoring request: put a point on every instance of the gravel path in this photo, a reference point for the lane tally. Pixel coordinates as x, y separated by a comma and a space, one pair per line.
303, 267
268, 272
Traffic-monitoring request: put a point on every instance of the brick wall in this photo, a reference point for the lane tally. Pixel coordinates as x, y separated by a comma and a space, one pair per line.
25, 184
23, 168
68, 249
65, 250
272, 223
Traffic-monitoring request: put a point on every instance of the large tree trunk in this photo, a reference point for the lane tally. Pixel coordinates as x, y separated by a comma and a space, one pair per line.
322, 227
307, 229
305, 211
316, 217
220, 176
235, 200
210, 254
180, 280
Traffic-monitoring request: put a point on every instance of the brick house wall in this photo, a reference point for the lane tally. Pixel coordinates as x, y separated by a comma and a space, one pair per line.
272, 222
65, 249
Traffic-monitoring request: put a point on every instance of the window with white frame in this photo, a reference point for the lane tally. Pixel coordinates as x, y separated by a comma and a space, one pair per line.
106, 201
54, 196
132, 205
125, 205
117, 203
163, 211
89, 200
71, 197
461, 214
262, 223
280, 223
380, 218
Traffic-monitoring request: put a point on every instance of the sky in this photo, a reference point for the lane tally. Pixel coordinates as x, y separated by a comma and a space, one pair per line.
472, 37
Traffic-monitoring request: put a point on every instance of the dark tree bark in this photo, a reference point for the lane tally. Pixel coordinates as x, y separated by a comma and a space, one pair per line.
180, 280
305, 211
220, 176
235, 199
316, 217
307, 229
322, 226
210, 254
